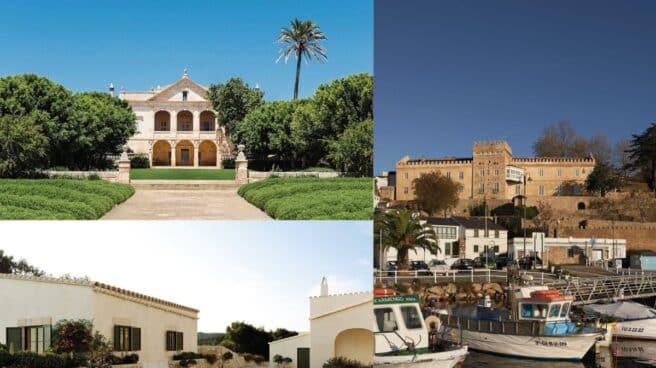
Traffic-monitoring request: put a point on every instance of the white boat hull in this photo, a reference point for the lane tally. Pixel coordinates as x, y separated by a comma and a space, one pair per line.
644, 329
444, 359
571, 347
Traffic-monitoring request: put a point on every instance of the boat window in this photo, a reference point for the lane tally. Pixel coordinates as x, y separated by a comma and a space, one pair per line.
411, 317
565, 311
534, 310
554, 310
385, 320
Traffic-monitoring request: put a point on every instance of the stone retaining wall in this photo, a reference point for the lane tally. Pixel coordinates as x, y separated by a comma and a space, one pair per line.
105, 175
259, 175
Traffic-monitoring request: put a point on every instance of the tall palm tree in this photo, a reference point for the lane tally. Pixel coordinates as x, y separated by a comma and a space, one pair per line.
302, 40
402, 230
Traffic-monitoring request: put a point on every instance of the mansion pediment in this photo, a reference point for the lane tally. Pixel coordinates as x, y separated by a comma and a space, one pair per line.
183, 90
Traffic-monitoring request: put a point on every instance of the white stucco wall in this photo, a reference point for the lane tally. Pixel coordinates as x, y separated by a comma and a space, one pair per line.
24, 302
334, 314
288, 348
154, 322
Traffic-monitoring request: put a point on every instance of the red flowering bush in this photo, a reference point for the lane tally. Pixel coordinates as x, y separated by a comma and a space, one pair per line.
72, 336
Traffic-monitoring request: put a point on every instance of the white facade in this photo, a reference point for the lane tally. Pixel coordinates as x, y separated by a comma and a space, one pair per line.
476, 242
39, 303
340, 325
598, 248
176, 126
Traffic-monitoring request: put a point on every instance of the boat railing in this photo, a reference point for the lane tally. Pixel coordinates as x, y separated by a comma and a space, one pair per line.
521, 328
473, 275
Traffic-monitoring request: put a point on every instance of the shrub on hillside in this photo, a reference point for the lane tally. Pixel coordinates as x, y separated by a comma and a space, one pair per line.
341, 362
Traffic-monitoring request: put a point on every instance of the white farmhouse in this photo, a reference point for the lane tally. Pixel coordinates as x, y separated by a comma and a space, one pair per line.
135, 323
340, 326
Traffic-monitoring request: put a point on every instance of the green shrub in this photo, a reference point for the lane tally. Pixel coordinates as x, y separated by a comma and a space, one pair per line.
341, 362
185, 355
131, 359
228, 163
34, 360
140, 162
211, 358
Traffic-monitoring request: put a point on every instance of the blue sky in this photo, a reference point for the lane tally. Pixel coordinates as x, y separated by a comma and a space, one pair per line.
140, 44
452, 72
261, 272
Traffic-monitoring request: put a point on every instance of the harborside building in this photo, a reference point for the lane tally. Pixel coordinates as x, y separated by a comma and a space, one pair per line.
176, 126
154, 329
493, 173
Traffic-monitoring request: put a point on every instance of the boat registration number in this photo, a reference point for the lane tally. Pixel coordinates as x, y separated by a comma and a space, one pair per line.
633, 329
551, 343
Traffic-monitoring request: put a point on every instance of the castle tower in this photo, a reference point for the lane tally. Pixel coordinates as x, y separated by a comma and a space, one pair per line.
490, 159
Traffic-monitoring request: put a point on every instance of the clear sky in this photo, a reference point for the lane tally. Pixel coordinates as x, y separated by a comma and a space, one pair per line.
261, 272
140, 44
451, 72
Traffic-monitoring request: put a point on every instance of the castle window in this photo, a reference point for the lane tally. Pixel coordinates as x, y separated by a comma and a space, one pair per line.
541, 172
482, 172
496, 172
405, 175
481, 188
541, 190
559, 172
578, 172
185, 95
461, 175
518, 189
405, 190
495, 188
448, 175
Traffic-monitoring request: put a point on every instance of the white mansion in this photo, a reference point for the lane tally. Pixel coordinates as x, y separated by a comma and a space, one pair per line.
176, 125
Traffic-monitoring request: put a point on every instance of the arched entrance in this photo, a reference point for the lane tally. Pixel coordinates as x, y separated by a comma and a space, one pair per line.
161, 153
580, 206
207, 121
207, 153
355, 343
185, 121
184, 154
162, 121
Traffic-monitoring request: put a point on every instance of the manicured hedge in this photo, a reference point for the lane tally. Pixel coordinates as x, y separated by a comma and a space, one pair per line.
312, 198
59, 199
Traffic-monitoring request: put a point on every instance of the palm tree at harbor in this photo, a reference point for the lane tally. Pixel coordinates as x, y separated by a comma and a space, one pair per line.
402, 230
302, 39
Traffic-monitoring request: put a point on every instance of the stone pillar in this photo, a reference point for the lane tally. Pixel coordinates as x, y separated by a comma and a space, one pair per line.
196, 150
219, 157
241, 165
173, 153
124, 168
174, 121
196, 122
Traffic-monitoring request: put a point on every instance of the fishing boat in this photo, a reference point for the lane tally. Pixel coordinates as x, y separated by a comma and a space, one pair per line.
537, 326
626, 319
402, 338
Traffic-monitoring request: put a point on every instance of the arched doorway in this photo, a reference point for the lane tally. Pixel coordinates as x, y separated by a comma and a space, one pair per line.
580, 206
355, 343
184, 154
207, 153
185, 121
161, 153
207, 121
162, 121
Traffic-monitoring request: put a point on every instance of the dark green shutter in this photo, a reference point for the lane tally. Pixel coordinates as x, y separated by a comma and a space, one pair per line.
135, 339
46, 336
303, 358
14, 339
117, 338
179, 345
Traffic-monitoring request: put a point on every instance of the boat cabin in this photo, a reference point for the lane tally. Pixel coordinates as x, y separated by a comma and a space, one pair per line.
399, 324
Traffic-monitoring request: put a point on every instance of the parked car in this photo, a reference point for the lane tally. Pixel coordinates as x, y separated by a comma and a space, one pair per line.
527, 262
502, 261
438, 266
463, 264
479, 262
391, 268
421, 268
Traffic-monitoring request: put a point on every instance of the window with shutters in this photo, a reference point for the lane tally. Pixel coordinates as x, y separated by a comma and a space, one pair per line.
174, 341
32, 338
127, 338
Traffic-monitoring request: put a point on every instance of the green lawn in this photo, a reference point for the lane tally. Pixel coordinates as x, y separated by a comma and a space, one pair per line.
59, 199
311, 198
182, 174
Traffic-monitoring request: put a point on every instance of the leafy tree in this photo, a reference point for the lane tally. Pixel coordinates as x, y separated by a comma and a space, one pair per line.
20, 267
402, 230
233, 100
278, 359
302, 39
353, 152
643, 155
241, 337
621, 155
562, 140
102, 125
435, 192
603, 179
23, 147
282, 333
600, 149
